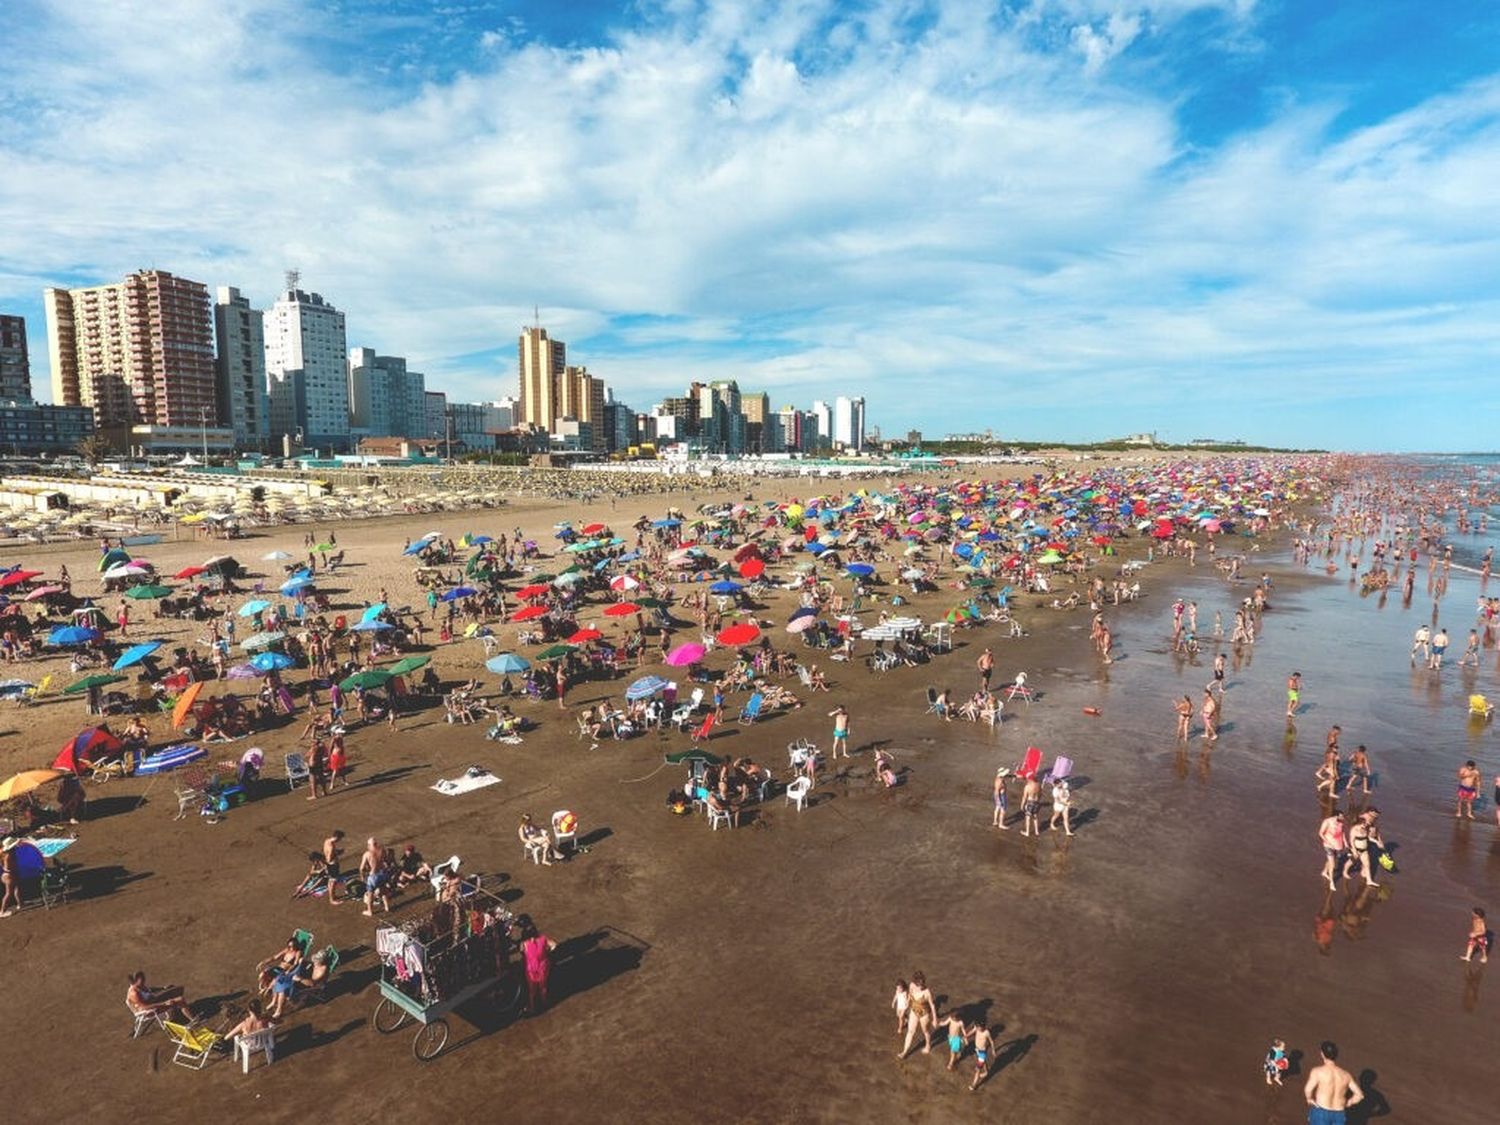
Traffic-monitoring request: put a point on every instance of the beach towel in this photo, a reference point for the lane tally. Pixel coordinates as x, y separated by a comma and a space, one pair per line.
466, 783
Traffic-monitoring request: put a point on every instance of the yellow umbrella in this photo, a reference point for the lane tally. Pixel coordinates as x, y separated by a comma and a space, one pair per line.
26, 781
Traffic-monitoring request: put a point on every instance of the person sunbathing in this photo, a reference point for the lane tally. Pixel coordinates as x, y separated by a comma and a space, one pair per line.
316, 877
283, 960
169, 1002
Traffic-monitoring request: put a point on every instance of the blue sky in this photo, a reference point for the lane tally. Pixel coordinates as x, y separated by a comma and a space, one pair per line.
1071, 219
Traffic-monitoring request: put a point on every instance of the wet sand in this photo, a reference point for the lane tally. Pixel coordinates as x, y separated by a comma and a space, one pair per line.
1136, 973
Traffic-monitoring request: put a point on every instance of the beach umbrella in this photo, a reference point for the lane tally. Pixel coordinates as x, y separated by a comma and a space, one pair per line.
801, 624
646, 686
593, 528
623, 582
457, 592
417, 547
98, 679
126, 570
24, 782
752, 568
648, 603
507, 662
741, 634
554, 652
583, 636
567, 578
371, 626
409, 664
803, 611
189, 572
666, 523
141, 593
685, 655
85, 747
535, 590
264, 662
725, 587
72, 635
296, 584
184, 705
112, 556
372, 611
251, 608
622, 609
16, 577
860, 570
529, 613
170, 758
226, 564
369, 678
276, 556
44, 592
136, 653
262, 640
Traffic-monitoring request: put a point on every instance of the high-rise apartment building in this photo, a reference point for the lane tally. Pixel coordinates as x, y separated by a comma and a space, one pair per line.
849, 422
436, 413
582, 398
542, 362
240, 369
756, 407
820, 434
386, 399
306, 368
15, 360
788, 430
140, 352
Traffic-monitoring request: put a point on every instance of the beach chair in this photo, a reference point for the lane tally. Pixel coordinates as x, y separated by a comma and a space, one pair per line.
537, 847
804, 675
704, 728
933, 706
583, 730
247, 1045
317, 992
1030, 764
1480, 707
144, 1018
684, 712
194, 1044
33, 694
565, 828
796, 792
751, 711
991, 713
1018, 687
296, 770
716, 816
188, 799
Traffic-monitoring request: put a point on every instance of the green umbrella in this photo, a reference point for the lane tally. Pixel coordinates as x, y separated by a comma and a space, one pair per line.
324, 547
556, 652
370, 677
534, 578
409, 664
99, 679
693, 755
981, 583
650, 603
139, 592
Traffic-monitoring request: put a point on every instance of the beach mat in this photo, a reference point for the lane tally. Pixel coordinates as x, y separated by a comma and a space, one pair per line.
465, 783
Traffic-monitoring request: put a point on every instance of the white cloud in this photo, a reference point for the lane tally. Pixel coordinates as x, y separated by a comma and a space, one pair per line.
865, 203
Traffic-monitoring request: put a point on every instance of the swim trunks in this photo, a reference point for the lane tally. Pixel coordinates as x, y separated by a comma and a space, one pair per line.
1465, 793
1317, 1115
955, 1043
1031, 808
981, 1057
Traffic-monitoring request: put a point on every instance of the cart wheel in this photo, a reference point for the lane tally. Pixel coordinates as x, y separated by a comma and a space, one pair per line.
430, 1040
509, 993
388, 1016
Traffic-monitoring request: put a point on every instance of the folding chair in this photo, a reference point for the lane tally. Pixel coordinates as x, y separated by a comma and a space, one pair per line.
194, 1044
317, 992
933, 706
296, 770
702, 733
751, 711
144, 1018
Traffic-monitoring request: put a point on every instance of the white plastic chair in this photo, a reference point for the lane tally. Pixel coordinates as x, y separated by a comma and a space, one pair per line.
536, 848
717, 816
796, 792
559, 835
246, 1045
296, 770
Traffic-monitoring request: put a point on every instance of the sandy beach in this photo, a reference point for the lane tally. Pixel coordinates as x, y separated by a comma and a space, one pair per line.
1135, 972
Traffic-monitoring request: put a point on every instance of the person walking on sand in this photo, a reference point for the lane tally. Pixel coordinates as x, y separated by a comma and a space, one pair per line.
1031, 807
921, 1015
1479, 937
536, 950
998, 820
1210, 715
1471, 650
958, 1037
1362, 837
1184, 709
1330, 1089
984, 1046
1331, 836
986, 665
1293, 694
840, 717
1062, 806
901, 1002
1468, 789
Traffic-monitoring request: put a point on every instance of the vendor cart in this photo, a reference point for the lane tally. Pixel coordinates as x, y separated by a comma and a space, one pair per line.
462, 951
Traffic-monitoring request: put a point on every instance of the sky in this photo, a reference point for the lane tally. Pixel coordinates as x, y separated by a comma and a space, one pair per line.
1273, 220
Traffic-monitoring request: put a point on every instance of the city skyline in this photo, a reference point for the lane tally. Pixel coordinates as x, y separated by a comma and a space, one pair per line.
1283, 217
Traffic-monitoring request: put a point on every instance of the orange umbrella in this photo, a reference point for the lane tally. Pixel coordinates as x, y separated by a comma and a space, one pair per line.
185, 703
25, 782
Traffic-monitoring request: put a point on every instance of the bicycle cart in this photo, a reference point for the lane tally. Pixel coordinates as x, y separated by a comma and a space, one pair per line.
462, 951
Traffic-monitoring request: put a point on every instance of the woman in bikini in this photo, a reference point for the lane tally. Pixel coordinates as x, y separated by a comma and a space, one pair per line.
921, 1015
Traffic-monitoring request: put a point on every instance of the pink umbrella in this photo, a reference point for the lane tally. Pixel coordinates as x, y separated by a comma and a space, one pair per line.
801, 624
684, 655
42, 592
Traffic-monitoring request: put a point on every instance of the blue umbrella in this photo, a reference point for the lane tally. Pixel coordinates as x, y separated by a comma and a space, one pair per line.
629, 556
372, 611
601, 564
250, 609
816, 548
72, 635
136, 653
264, 662
645, 686
458, 592
293, 585
507, 662
725, 587
371, 626
805, 611
861, 570
418, 547
475, 540
666, 523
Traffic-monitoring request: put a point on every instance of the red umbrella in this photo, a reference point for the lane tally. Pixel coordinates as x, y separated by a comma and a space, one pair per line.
752, 568
530, 612
85, 748
589, 634
16, 577
593, 528
536, 590
741, 634
622, 609
190, 572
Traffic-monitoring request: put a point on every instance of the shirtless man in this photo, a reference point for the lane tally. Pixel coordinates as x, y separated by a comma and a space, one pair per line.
1293, 694
372, 869
1468, 789
333, 847
1330, 1089
998, 820
986, 665
1031, 807
1439, 646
